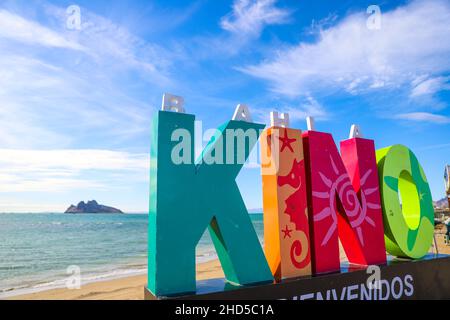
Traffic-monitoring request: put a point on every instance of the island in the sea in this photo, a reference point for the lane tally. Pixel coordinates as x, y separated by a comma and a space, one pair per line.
91, 207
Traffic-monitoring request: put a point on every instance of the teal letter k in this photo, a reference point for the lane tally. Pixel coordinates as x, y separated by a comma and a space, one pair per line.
188, 197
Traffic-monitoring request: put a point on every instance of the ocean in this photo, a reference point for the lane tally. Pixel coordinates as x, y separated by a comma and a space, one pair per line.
36, 250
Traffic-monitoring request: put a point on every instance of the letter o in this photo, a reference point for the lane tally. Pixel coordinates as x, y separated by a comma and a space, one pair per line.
408, 227
397, 295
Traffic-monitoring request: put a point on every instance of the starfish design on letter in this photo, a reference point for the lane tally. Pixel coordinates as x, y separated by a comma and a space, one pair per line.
287, 232
286, 142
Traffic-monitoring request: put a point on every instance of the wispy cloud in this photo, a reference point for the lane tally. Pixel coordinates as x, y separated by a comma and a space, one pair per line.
423, 117
69, 99
53, 98
63, 170
109, 42
20, 206
249, 17
240, 32
412, 42
429, 86
298, 111
318, 26
16, 28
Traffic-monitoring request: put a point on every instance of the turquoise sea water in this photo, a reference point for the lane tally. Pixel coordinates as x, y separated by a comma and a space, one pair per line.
37, 249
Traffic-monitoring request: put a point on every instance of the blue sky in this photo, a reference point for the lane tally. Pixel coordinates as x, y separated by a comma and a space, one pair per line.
76, 105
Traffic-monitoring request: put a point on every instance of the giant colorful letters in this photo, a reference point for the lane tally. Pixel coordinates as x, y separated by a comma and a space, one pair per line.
286, 226
188, 197
313, 197
409, 226
343, 206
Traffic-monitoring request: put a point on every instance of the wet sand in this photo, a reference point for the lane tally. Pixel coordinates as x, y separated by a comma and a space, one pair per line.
132, 288
128, 288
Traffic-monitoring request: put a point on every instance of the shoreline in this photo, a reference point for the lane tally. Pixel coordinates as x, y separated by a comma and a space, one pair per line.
120, 288
128, 287
44, 287
115, 274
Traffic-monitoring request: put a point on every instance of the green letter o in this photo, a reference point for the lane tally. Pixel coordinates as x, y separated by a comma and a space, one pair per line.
408, 227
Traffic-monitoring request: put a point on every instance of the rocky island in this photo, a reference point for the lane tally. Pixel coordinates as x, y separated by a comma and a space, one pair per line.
91, 207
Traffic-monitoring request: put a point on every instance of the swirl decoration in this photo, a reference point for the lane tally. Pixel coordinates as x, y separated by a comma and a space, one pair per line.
355, 207
300, 252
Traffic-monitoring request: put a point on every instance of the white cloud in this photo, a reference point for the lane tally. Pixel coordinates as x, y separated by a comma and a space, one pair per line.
429, 86
308, 106
249, 17
112, 44
243, 26
50, 106
311, 107
18, 206
319, 25
65, 90
413, 41
423, 117
80, 159
52, 99
14, 27
63, 170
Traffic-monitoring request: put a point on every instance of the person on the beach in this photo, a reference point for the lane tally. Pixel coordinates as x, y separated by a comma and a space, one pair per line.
447, 234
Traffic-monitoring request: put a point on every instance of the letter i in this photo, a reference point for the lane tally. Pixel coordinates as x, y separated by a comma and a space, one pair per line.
286, 228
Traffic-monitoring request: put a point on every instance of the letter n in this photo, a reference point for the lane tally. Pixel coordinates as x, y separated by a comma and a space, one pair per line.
187, 197
344, 202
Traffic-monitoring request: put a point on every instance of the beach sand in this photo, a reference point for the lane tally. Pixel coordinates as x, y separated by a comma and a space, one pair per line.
132, 288
127, 288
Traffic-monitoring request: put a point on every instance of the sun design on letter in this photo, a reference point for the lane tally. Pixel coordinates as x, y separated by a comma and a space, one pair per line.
355, 209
